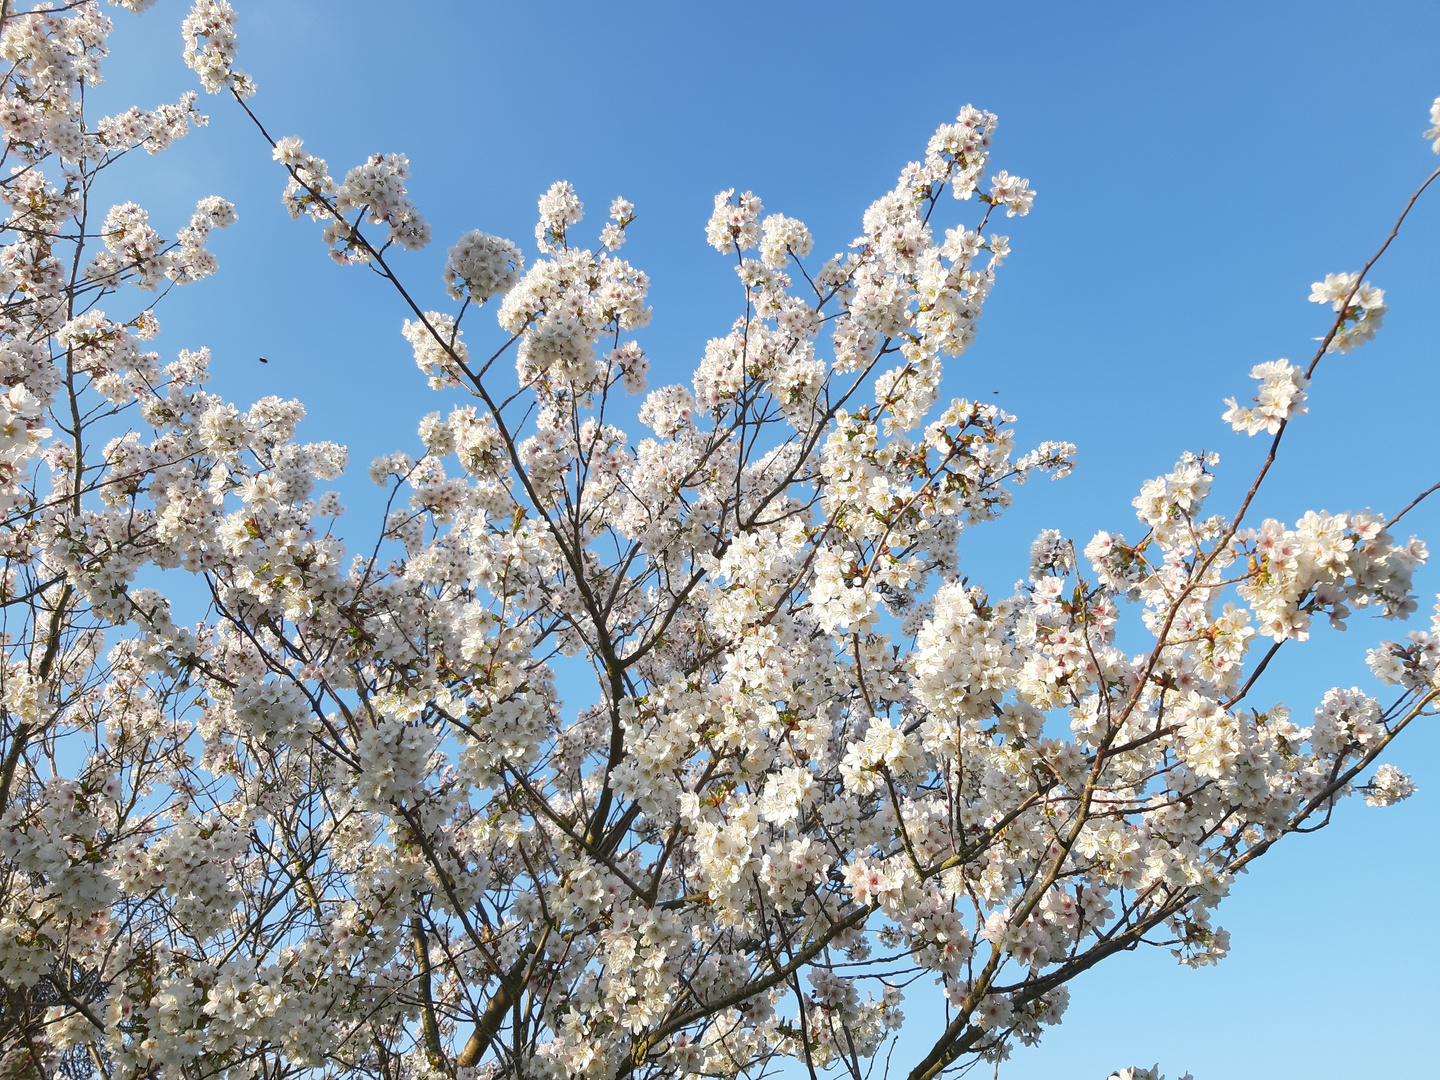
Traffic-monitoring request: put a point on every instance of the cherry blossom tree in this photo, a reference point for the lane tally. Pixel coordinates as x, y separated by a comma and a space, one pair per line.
342, 826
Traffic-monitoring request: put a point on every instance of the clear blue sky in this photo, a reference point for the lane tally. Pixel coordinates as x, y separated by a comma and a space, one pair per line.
1197, 166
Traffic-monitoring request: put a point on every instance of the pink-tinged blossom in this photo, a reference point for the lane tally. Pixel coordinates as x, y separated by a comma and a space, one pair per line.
1013, 193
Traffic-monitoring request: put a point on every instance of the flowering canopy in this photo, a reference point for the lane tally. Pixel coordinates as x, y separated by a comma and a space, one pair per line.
342, 825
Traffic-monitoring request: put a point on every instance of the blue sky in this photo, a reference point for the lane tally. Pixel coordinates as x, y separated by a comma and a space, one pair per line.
1197, 167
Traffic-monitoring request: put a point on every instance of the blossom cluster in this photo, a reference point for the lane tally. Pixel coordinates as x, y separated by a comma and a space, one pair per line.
1280, 399
209, 32
1361, 306
484, 265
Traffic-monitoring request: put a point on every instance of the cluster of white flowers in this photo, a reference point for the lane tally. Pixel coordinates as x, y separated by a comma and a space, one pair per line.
735, 223
1361, 308
1327, 563
377, 190
563, 306
155, 130
373, 191
136, 254
343, 823
209, 32
622, 213
1280, 399
481, 266
52, 54
1388, 786
311, 189
781, 237
1013, 193
440, 351
1414, 665
559, 209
